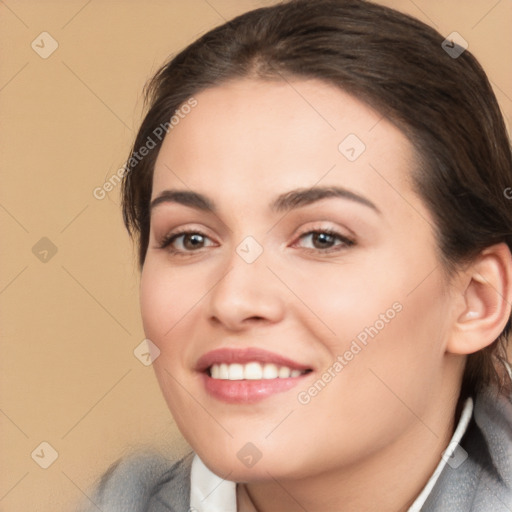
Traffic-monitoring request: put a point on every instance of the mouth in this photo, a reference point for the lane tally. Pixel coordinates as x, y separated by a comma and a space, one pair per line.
248, 375
253, 371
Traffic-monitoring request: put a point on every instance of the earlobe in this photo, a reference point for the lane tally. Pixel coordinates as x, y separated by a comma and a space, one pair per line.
487, 298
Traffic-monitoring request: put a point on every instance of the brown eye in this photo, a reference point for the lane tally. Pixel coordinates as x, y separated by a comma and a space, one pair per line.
324, 240
193, 241
186, 242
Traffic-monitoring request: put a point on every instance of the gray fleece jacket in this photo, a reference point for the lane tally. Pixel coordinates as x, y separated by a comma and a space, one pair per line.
482, 483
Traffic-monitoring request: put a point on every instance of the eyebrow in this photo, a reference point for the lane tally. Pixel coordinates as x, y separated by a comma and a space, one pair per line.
305, 196
283, 203
185, 197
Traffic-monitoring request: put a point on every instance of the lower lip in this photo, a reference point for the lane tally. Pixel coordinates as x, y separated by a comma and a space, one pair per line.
248, 391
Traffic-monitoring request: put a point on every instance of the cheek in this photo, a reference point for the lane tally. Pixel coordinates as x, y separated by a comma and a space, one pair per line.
387, 350
346, 301
155, 300
167, 297
166, 305
389, 317
167, 302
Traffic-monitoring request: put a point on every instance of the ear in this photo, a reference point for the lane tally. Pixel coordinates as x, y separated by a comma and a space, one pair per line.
486, 286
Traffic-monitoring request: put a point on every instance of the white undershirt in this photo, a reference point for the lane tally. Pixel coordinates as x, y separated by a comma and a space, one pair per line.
211, 493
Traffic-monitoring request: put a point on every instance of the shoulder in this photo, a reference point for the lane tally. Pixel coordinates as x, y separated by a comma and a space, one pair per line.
493, 418
481, 479
143, 482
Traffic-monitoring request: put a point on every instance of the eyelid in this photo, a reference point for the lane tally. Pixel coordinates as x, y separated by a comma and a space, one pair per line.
346, 241
346, 238
164, 241
322, 226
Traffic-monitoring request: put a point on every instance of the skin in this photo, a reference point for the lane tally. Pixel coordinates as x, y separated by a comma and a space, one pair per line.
373, 436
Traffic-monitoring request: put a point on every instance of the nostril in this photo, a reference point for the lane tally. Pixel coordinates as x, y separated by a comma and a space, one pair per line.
254, 319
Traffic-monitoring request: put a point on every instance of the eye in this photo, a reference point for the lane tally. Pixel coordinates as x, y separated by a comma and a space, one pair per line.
185, 241
325, 240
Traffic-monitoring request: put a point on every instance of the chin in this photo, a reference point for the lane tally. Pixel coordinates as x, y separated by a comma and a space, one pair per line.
247, 462
231, 468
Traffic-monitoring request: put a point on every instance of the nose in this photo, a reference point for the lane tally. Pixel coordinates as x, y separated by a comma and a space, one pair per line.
248, 294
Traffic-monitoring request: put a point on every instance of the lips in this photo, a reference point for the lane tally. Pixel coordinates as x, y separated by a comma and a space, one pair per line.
248, 375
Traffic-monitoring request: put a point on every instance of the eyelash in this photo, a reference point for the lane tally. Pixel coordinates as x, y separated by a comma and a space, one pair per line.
172, 237
169, 239
345, 241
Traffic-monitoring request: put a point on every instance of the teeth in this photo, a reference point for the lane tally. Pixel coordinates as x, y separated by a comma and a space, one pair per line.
224, 371
270, 371
252, 371
236, 371
215, 371
284, 372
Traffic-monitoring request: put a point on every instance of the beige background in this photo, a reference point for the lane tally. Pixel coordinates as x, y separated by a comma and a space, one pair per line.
69, 325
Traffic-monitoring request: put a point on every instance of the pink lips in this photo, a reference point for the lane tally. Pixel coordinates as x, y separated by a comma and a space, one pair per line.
246, 391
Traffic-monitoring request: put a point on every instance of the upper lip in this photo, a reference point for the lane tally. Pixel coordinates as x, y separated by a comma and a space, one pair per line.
245, 355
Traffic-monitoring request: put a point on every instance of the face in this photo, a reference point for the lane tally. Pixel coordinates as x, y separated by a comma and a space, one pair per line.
292, 283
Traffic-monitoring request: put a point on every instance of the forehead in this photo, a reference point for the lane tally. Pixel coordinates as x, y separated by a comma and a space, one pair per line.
252, 136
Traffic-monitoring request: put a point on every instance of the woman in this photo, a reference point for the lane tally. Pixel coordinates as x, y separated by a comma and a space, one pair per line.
324, 242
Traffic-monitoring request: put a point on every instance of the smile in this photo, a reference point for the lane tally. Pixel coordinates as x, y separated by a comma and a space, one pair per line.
248, 375
252, 371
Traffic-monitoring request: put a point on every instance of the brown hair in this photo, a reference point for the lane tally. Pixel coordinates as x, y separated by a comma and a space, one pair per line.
397, 65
